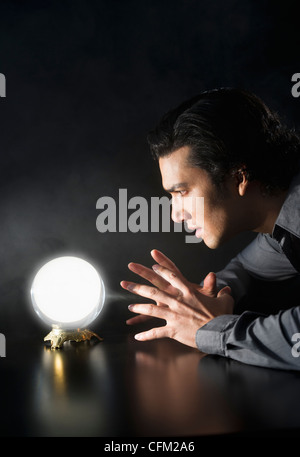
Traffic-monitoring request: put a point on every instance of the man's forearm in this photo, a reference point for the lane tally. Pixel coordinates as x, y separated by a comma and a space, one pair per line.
255, 339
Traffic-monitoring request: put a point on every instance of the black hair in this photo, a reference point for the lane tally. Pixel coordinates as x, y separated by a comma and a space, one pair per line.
229, 130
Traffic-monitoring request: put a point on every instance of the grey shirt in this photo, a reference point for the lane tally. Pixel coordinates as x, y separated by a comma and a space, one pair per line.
265, 340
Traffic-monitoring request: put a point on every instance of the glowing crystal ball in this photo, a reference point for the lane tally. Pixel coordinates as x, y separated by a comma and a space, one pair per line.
68, 292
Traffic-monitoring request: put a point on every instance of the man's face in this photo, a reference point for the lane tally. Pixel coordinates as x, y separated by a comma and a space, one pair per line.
185, 183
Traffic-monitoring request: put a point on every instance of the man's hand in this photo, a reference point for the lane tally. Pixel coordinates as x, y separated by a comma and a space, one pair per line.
183, 305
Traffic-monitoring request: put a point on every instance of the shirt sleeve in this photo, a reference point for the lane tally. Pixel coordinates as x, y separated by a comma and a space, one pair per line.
269, 341
252, 337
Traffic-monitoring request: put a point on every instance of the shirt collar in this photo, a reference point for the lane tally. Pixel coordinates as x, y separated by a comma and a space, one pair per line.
289, 215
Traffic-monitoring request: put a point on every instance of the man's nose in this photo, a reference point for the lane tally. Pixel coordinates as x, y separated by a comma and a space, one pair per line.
178, 213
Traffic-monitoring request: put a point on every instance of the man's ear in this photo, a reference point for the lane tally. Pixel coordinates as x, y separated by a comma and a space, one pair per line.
242, 181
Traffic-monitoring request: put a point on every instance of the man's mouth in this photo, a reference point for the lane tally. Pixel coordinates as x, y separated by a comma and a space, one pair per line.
198, 231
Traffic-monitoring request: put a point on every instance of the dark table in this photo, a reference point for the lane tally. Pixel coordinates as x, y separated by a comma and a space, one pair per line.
121, 387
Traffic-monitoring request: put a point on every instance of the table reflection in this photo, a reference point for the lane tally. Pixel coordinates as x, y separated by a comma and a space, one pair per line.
170, 398
266, 399
122, 387
72, 392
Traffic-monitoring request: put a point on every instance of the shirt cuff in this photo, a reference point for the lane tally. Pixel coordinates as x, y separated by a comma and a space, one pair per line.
212, 337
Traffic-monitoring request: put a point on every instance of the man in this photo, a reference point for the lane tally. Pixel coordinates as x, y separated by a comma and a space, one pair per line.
225, 145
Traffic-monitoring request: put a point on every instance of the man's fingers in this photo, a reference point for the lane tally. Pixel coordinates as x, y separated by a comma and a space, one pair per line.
210, 284
224, 291
137, 320
178, 282
150, 292
149, 275
164, 261
149, 309
142, 318
153, 334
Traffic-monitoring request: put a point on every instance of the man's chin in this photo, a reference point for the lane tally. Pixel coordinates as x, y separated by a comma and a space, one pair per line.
211, 243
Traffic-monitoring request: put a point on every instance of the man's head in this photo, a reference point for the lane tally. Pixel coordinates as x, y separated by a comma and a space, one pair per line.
222, 140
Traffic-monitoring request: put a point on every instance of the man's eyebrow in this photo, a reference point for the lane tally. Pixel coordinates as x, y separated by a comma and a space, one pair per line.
176, 186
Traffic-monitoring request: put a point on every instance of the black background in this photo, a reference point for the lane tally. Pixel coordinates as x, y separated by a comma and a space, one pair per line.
86, 80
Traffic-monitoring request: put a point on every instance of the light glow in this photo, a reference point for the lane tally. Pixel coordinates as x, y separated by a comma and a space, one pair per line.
68, 292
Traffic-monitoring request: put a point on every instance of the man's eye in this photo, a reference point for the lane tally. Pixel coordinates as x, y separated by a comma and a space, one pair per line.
178, 193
